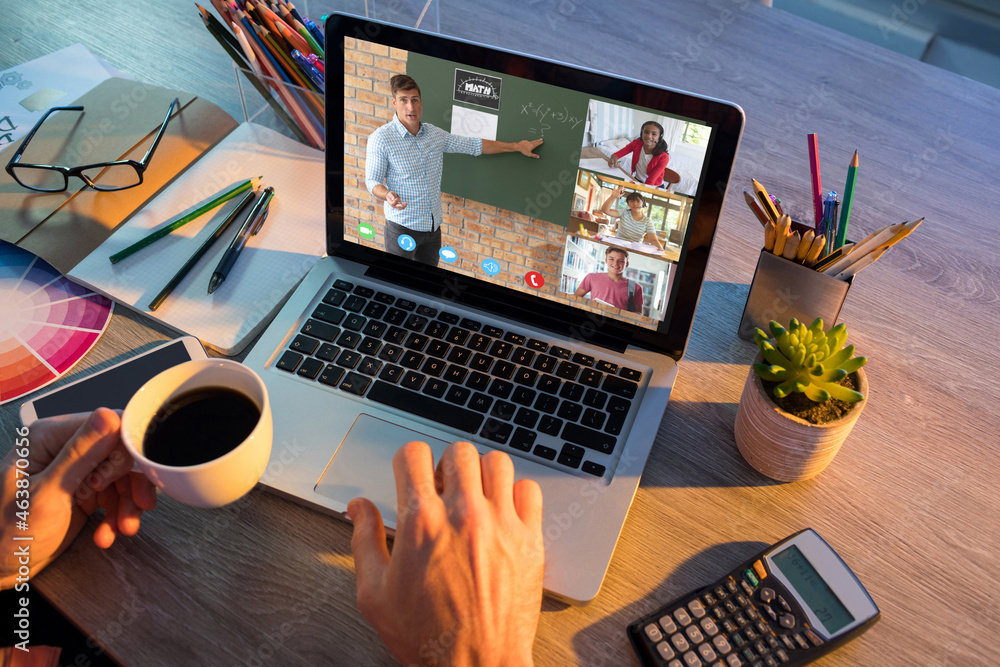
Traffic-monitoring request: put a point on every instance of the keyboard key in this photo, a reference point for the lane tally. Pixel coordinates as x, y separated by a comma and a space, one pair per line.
415, 322
433, 367
304, 344
630, 374
395, 316
501, 350
500, 388
492, 331
374, 328
412, 381
459, 355
567, 370
527, 418
416, 342
549, 384
435, 387
335, 297
348, 359
590, 377
503, 410
606, 367
504, 369
310, 368
588, 437
438, 348
355, 383
523, 396
522, 356
583, 359
369, 365
560, 352
405, 304
328, 314
523, 439
320, 330
550, 425
421, 405
515, 338
437, 329
478, 381
546, 403
545, 363
427, 311
480, 402
289, 361
620, 387
448, 318
479, 343
411, 359
525, 376
374, 309
571, 391
457, 336
593, 468
592, 418
328, 352
570, 456
390, 353
343, 285
570, 410
545, 452
481, 362
471, 325
537, 345
370, 346
385, 298
331, 375
496, 431
355, 322
391, 373
366, 292
349, 339
458, 395
455, 374
595, 399
354, 304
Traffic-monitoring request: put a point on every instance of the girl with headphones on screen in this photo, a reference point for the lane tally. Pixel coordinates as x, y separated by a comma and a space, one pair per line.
649, 154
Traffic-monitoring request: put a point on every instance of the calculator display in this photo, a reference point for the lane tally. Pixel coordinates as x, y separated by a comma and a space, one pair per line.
813, 589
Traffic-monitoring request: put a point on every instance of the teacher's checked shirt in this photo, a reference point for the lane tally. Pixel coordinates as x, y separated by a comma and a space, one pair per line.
411, 165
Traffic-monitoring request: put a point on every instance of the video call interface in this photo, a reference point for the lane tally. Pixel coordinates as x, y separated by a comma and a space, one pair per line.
598, 219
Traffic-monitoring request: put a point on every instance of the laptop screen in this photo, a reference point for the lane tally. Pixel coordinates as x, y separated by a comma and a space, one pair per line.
506, 181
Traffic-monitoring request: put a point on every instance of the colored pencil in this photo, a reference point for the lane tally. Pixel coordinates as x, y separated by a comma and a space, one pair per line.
817, 186
845, 210
766, 204
184, 219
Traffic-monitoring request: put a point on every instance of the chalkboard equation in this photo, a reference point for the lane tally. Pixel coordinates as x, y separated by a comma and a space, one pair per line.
545, 114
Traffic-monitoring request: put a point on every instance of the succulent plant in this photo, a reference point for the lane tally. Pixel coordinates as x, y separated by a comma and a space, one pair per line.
808, 360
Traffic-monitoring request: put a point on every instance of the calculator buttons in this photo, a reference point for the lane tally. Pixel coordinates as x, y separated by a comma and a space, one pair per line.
682, 616
787, 621
691, 659
696, 608
721, 644
733, 660
707, 653
665, 651
787, 641
747, 588
668, 625
679, 642
769, 661
770, 612
694, 634
720, 592
767, 595
758, 568
800, 640
731, 587
709, 626
675, 663
813, 637
653, 632
751, 613
784, 604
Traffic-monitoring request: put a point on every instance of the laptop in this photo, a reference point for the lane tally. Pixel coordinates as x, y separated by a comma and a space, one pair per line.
537, 332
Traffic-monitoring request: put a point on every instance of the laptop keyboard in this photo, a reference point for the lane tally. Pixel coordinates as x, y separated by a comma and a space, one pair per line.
513, 391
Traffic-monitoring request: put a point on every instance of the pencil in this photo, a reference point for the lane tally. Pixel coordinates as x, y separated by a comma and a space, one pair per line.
845, 209
862, 263
766, 204
817, 187
179, 276
752, 203
183, 220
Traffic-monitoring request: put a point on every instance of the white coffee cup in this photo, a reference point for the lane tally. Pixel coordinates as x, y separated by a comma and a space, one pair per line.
219, 481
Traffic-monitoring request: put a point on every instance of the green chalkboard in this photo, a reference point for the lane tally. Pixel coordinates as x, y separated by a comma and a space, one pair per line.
539, 188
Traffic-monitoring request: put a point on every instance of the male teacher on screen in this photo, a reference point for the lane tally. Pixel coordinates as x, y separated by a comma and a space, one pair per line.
403, 164
613, 288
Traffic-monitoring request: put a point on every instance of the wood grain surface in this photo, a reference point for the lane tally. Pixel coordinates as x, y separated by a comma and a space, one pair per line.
910, 501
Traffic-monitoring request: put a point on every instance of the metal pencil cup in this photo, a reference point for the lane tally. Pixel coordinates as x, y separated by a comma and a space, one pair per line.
783, 289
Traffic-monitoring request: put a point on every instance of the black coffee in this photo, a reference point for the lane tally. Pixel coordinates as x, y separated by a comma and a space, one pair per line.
199, 426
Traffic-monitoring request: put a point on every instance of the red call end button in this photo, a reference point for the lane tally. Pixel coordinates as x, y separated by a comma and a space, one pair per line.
534, 279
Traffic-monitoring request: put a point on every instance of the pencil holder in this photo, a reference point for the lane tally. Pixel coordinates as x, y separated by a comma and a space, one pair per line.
783, 289
289, 109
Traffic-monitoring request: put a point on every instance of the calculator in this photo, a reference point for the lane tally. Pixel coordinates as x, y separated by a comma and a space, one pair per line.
790, 604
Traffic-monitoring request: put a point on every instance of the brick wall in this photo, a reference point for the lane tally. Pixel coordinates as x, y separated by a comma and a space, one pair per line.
475, 230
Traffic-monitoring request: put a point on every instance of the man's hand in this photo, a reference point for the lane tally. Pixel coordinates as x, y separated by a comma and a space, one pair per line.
463, 585
394, 201
527, 148
76, 463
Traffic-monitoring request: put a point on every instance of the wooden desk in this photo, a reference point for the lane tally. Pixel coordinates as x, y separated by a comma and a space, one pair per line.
911, 501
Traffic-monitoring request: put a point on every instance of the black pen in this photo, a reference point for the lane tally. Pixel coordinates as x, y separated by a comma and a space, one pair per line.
250, 228
175, 281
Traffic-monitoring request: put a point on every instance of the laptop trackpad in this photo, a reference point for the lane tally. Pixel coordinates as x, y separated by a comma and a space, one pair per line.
362, 465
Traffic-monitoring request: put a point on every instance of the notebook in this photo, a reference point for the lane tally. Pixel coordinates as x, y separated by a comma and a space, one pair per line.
504, 342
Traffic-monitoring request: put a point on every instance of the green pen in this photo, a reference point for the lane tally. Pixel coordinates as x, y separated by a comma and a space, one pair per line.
183, 220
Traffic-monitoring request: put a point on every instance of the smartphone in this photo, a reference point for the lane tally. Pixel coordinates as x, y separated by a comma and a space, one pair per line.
112, 387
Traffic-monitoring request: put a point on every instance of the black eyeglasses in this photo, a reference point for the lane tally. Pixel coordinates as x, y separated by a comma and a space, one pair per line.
114, 175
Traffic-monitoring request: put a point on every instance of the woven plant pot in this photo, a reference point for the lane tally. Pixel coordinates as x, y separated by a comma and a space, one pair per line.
785, 447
